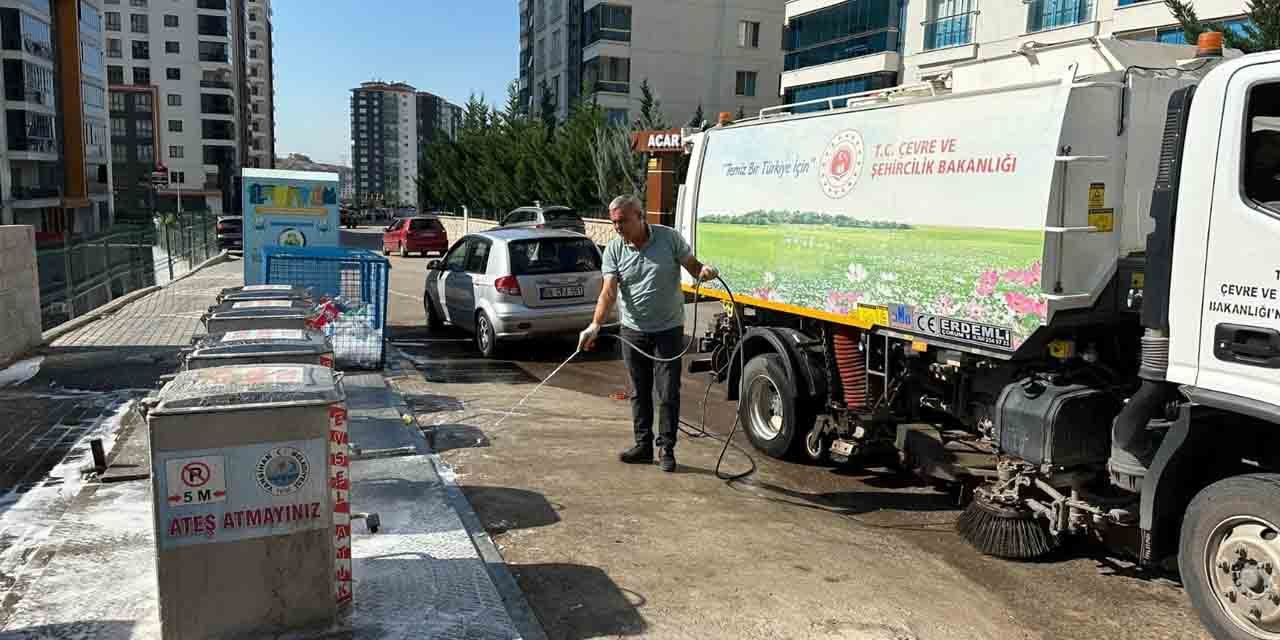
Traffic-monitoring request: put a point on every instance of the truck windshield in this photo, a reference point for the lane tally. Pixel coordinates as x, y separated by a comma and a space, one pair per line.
553, 255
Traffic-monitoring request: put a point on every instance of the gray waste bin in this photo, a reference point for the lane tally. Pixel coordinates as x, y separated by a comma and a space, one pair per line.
252, 520
256, 314
266, 292
260, 346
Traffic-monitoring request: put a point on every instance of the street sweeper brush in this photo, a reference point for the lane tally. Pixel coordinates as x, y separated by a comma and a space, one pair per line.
1004, 531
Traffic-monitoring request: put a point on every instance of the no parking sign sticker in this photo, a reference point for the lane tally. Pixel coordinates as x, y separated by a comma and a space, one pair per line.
195, 480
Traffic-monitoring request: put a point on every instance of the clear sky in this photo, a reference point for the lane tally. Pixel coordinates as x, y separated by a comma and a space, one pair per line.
324, 48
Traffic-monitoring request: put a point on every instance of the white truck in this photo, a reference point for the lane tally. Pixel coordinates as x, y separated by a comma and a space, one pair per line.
1053, 285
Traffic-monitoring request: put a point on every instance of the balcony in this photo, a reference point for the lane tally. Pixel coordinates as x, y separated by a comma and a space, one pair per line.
949, 31
32, 192
213, 5
1043, 15
853, 47
216, 84
609, 86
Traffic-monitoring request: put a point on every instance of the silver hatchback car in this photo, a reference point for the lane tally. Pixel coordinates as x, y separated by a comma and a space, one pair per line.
510, 284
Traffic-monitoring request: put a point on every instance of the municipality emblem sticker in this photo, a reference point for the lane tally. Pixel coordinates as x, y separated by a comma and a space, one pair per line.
841, 164
283, 470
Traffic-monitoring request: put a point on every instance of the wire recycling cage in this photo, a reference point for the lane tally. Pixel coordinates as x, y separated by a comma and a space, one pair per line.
359, 277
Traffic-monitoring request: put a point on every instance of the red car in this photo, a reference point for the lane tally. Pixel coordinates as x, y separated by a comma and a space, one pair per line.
415, 235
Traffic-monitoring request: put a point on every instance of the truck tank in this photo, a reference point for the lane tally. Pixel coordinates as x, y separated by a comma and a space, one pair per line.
971, 215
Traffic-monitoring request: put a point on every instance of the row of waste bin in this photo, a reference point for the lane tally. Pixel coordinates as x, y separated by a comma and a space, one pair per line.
250, 471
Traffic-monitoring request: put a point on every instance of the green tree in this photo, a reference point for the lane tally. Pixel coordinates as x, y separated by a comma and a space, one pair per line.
1261, 33
650, 109
547, 109
698, 117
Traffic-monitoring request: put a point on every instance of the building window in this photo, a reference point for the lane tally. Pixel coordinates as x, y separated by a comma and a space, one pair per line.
146, 153
844, 87
617, 117
253, 35
841, 32
142, 75
119, 152
113, 20
170, 20
142, 102
115, 74
141, 50
173, 73
745, 84
142, 4
115, 49
117, 101
607, 22
175, 126
253, 16
175, 99
253, 53
138, 23
749, 34
172, 47
144, 128
608, 74
1043, 15
175, 151
177, 177
555, 48
211, 25
950, 24
118, 127
540, 55
213, 51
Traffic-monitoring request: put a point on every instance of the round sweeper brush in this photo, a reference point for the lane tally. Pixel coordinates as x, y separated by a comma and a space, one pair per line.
1011, 532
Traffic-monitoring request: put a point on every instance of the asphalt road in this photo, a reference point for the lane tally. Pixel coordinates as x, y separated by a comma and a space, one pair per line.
792, 551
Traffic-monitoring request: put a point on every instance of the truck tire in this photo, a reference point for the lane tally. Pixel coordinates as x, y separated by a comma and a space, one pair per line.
1229, 557
767, 406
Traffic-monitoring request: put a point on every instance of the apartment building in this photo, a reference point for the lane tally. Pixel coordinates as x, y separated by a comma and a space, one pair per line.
838, 47
391, 125
255, 64
55, 170
722, 55
204, 68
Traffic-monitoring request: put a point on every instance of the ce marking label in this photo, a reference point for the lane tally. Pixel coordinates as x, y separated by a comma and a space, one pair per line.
927, 324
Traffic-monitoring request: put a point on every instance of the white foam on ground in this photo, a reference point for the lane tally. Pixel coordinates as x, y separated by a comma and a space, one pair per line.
20, 371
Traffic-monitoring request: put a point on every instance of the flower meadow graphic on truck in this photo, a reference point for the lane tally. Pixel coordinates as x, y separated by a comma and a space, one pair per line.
986, 276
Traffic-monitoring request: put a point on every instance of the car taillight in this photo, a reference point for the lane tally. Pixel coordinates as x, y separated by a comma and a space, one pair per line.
508, 285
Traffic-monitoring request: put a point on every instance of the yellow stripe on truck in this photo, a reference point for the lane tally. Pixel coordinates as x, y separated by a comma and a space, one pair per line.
865, 318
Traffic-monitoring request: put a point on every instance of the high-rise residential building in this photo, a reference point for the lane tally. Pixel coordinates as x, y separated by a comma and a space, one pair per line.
55, 170
838, 47
258, 86
391, 124
720, 56
204, 69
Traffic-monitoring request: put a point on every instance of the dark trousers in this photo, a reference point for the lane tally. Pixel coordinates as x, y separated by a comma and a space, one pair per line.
650, 379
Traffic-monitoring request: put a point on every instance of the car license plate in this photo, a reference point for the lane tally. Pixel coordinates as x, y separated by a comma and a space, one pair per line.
842, 448
554, 293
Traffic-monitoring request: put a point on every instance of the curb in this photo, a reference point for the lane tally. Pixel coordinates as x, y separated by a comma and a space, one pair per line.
111, 307
518, 608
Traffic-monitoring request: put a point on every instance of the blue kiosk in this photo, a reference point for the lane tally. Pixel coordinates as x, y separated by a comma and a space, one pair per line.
287, 208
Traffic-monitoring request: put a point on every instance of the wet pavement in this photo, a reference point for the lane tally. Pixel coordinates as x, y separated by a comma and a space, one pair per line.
794, 550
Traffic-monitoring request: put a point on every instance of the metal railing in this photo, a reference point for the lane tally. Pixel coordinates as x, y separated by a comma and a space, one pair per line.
949, 31
79, 274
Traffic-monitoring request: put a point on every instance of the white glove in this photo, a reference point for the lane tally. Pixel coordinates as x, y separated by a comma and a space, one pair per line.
708, 273
587, 339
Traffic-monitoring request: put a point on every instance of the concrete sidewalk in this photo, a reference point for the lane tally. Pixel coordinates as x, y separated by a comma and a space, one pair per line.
77, 559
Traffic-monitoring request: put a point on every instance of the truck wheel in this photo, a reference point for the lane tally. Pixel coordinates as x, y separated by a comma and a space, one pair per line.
1229, 557
767, 406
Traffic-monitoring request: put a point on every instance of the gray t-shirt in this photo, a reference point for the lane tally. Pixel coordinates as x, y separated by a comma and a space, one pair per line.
649, 279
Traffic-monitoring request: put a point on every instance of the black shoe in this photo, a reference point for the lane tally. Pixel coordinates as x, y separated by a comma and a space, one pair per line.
639, 454
667, 461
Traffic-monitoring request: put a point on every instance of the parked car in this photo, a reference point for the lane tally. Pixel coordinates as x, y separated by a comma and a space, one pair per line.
511, 284
415, 235
553, 217
230, 232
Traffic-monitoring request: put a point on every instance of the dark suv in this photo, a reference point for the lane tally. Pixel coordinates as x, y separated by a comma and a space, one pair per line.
230, 231
538, 217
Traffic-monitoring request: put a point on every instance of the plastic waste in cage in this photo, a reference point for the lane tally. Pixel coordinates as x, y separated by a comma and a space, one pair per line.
352, 286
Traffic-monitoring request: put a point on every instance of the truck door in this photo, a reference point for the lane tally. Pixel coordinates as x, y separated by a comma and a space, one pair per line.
1240, 316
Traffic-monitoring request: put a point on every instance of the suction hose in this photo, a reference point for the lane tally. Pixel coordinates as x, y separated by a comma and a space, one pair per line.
1131, 445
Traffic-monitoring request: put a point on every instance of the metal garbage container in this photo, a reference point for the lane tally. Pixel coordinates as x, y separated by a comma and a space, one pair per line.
266, 292
260, 346
257, 314
251, 513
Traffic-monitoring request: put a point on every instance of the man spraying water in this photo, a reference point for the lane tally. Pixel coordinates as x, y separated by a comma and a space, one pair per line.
642, 266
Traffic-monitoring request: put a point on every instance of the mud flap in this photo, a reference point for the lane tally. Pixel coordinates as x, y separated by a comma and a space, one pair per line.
1175, 476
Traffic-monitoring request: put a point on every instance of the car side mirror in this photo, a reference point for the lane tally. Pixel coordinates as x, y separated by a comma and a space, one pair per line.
435, 265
